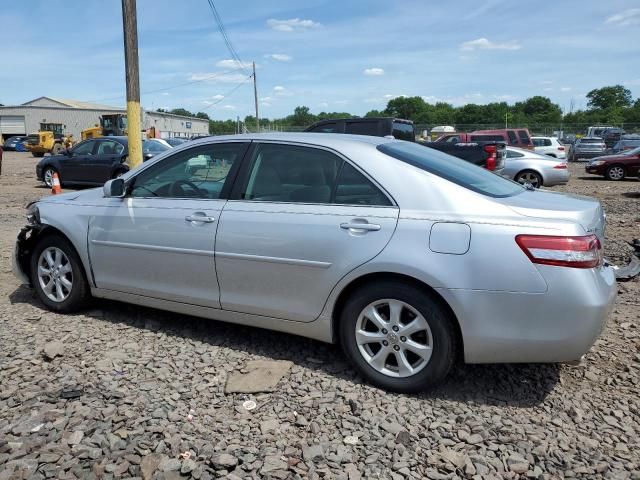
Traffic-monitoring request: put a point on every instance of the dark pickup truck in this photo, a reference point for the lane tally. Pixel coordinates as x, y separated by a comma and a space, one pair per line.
488, 154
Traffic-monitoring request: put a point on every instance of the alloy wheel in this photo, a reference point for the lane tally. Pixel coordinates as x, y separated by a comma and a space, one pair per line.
394, 338
48, 177
616, 173
55, 275
529, 177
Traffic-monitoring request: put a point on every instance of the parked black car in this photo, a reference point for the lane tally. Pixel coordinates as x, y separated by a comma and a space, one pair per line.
93, 161
376, 127
611, 136
11, 143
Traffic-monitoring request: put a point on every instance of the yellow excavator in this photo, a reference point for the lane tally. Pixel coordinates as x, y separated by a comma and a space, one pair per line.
49, 139
113, 124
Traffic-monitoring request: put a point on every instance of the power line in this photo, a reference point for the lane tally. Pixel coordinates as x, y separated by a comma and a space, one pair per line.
225, 35
229, 93
204, 79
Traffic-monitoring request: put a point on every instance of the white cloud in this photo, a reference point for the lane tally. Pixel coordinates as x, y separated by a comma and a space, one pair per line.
624, 19
374, 72
218, 77
278, 88
165, 94
547, 89
291, 25
565, 89
217, 97
266, 99
485, 44
280, 57
228, 107
265, 104
323, 104
635, 81
231, 64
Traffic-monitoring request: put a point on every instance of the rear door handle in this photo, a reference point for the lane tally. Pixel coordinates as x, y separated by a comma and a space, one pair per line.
199, 218
369, 227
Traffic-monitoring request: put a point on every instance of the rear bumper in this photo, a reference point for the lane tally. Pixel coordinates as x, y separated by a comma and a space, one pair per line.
587, 154
559, 325
556, 177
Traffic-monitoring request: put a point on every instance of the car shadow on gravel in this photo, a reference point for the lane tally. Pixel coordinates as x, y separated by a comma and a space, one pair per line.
519, 385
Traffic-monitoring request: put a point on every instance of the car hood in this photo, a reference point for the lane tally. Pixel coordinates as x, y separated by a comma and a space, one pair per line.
90, 193
584, 210
608, 158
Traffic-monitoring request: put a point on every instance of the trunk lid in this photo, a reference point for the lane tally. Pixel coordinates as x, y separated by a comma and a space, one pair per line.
584, 210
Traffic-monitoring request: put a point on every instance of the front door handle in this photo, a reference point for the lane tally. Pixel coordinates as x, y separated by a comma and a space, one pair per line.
199, 218
369, 227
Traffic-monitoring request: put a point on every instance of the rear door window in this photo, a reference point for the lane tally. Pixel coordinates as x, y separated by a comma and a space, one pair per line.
354, 188
486, 138
513, 139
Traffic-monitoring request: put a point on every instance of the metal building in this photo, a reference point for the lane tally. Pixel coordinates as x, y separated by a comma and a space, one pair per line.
76, 116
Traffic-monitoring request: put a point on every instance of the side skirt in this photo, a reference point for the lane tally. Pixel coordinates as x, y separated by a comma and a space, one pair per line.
319, 329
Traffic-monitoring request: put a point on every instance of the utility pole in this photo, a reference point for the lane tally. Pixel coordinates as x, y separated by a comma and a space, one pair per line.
134, 123
255, 95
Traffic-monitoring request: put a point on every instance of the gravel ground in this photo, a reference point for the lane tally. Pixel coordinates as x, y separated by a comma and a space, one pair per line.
147, 386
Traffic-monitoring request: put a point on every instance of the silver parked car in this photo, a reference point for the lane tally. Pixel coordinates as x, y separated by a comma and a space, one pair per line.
525, 166
407, 257
587, 147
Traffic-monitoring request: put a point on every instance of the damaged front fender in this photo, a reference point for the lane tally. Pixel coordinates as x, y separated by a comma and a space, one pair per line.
22, 252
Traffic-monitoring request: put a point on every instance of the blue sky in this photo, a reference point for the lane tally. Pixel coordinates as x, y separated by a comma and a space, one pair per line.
348, 55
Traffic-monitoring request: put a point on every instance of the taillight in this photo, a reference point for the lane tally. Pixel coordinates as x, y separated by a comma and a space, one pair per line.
561, 149
575, 252
492, 159
560, 166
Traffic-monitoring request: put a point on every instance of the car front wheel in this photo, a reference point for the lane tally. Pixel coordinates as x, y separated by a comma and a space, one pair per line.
58, 276
397, 336
615, 172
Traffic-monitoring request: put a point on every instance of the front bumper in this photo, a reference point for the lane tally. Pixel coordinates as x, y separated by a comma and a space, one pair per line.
559, 325
597, 170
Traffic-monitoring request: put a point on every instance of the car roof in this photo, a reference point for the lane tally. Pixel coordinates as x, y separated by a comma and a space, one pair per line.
331, 140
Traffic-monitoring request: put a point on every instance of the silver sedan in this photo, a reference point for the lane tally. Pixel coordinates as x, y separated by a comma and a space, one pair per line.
409, 258
525, 166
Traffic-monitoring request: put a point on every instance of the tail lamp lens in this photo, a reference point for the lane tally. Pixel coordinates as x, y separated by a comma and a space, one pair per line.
575, 252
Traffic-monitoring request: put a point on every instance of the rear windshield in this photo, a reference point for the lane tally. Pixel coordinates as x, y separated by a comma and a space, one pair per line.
524, 137
591, 140
452, 168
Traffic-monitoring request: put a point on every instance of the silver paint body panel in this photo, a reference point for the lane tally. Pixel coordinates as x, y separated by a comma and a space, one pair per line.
283, 266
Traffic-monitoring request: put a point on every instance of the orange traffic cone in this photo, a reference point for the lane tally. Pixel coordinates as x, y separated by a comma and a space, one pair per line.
55, 184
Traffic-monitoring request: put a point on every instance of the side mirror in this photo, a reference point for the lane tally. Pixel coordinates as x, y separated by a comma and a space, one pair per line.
114, 188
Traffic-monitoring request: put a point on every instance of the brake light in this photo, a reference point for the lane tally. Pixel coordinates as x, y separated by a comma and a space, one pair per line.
561, 149
560, 166
492, 159
575, 252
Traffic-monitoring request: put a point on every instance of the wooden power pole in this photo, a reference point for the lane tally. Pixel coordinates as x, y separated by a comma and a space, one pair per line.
255, 95
134, 120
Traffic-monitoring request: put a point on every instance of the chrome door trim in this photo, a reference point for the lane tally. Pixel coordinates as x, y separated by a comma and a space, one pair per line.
286, 261
156, 248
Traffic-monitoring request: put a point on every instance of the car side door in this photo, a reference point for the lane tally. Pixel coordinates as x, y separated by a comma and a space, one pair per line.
97, 168
298, 220
158, 241
73, 165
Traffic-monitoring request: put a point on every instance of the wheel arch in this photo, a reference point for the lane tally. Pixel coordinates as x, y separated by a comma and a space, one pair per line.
368, 278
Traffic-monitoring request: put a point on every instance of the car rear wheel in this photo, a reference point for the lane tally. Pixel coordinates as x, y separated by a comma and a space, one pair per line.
38, 154
397, 336
529, 176
615, 172
47, 176
58, 276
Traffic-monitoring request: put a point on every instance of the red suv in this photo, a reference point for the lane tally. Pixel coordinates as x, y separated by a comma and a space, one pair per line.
511, 136
516, 137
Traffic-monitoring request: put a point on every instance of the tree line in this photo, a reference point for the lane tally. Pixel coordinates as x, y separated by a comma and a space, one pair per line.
607, 105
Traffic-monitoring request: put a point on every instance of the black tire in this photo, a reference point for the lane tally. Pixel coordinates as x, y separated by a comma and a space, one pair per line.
530, 176
118, 173
443, 333
79, 292
57, 148
48, 173
38, 154
615, 173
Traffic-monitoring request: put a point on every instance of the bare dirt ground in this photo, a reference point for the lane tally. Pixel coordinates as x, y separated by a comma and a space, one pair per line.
150, 386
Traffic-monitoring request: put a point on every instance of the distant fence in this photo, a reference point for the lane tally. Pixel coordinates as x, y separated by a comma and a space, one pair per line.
544, 129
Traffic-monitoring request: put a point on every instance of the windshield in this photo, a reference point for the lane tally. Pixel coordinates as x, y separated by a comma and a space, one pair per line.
452, 168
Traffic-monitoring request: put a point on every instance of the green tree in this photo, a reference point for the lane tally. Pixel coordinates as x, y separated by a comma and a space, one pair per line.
405, 107
301, 117
181, 111
539, 109
202, 115
374, 113
608, 97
